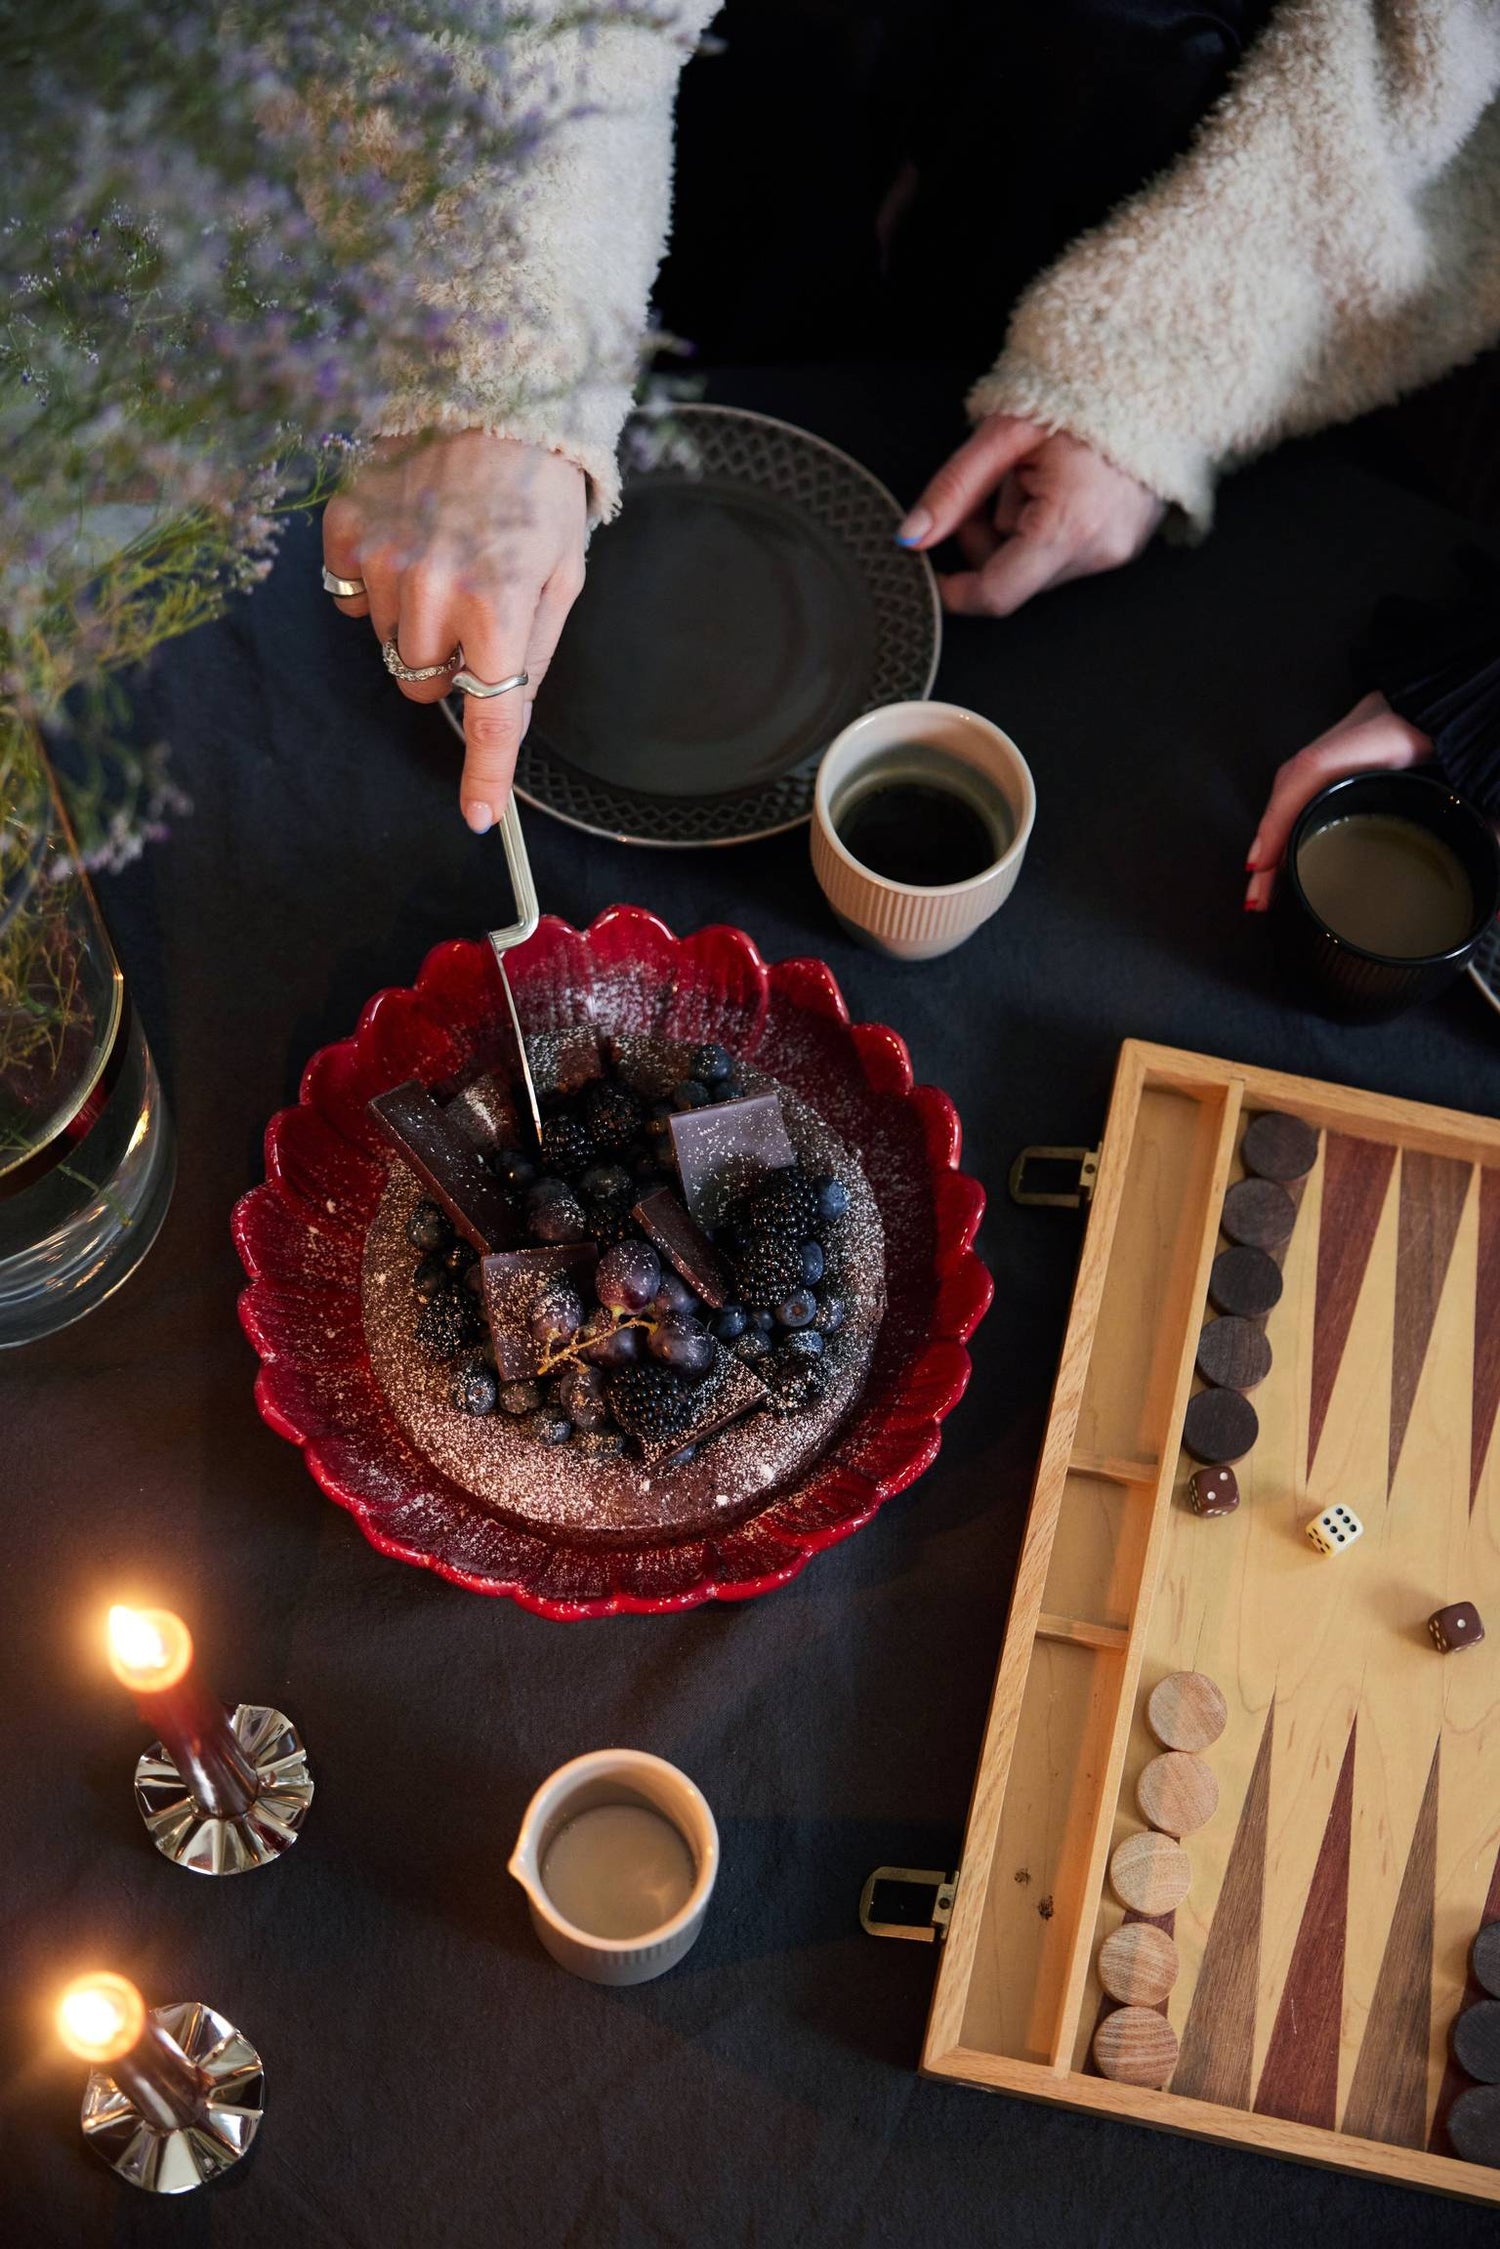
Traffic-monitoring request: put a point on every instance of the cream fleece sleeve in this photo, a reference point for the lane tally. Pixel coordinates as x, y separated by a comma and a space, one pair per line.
553, 312
1330, 240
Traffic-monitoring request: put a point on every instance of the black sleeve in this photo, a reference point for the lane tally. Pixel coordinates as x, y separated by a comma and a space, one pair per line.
1438, 665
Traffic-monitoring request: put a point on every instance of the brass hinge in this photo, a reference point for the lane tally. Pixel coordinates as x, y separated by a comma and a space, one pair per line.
1083, 1161
915, 1878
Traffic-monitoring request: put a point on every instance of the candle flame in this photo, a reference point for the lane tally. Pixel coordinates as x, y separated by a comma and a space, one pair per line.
149, 1649
100, 2017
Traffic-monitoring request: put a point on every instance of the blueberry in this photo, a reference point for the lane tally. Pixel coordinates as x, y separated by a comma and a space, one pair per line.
519, 1397
730, 1324
833, 1198
683, 1344
764, 1320
428, 1228
475, 1390
430, 1276
753, 1347
628, 1277
813, 1262
710, 1063
556, 1315
515, 1168
803, 1343
691, 1094
597, 1444
673, 1295
830, 1315
557, 1218
548, 1426
799, 1310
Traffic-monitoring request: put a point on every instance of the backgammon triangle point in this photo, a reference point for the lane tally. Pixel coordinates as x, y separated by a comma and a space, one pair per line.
1433, 1191
1356, 1177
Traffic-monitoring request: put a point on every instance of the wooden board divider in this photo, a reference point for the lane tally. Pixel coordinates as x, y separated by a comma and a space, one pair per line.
1049, 1797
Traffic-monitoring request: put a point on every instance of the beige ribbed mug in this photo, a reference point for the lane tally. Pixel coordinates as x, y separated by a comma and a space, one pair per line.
976, 761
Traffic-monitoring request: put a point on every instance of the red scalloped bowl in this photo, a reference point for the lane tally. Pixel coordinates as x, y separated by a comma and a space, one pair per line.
301, 1236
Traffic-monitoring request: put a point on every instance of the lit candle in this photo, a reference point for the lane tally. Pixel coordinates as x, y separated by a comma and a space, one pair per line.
151, 1653
102, 2019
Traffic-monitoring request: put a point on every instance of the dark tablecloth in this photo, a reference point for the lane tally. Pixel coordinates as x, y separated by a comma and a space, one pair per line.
433, 2079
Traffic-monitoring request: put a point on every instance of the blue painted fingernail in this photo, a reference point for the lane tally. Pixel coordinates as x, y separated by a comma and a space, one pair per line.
915, 528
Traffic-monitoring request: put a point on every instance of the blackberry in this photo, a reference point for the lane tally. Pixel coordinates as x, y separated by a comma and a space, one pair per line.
649, 1400
513, 1167
800, 1347
567, 1144
782, 1203
428, 1228
557, 1216
769, 1271
449, 1324
608, 1183
753, 1347
608, 1225
612, 1115
795, 1383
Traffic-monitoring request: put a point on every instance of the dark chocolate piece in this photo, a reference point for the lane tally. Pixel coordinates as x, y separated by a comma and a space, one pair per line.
684, 1245
1220, 1426
448, 1163
1476, 2041
1259, 1214
483, 1108
720, 1150
510, 1284
1485, 1959
1474, 2125
1233, 1354
726, 1394
1245, 1283
1213, 1491
1457, 1626
1277, 1146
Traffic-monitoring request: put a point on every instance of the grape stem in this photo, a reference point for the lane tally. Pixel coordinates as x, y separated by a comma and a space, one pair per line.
572, 1352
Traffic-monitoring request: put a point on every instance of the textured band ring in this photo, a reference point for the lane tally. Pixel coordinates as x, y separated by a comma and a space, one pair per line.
400, 670
483, 688
347, 589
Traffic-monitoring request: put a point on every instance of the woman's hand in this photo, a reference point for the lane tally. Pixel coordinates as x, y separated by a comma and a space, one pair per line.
1029, 509
1370, 735
473, 541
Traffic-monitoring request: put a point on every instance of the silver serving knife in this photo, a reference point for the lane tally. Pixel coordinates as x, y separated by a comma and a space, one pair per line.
501, 940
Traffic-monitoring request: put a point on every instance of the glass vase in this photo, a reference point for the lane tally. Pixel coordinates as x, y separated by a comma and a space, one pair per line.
87, 1156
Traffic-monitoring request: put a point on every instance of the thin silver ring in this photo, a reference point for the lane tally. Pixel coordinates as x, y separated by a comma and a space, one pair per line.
482, 689
347, 589
399, 670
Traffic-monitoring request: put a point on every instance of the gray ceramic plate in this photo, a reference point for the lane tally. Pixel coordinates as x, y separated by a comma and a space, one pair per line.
748, 603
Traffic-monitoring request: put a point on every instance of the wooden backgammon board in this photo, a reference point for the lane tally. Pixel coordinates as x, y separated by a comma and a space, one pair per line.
1335, 1888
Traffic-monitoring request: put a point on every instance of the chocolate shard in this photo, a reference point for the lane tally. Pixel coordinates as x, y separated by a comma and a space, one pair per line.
448, 1163
720, 1150
684, 1245
482, 1107
727, 1393
509, 1285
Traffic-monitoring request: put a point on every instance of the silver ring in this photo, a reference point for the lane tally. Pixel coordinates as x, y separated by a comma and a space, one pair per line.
347, 589
481, 689
399, 670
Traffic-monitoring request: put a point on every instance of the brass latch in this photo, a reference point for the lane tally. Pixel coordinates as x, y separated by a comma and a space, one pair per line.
926, 1921
1073, 1188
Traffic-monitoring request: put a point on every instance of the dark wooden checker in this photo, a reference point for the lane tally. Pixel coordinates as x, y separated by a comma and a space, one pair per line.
1355, 1853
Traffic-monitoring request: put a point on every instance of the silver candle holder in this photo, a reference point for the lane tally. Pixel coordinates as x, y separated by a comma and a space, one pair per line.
175, 2096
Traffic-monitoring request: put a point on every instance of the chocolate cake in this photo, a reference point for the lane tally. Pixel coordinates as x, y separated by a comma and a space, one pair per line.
663, 1315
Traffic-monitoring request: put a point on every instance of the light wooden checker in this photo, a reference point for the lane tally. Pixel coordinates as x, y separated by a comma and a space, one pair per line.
1355, 1851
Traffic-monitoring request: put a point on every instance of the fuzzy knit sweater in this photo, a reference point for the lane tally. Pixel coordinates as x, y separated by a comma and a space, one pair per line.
1330, 240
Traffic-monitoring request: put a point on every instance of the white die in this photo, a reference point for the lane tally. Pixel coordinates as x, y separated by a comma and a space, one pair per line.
1334, 1529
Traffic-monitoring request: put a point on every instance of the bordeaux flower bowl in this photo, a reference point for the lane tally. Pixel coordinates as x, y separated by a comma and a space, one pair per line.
301, 1237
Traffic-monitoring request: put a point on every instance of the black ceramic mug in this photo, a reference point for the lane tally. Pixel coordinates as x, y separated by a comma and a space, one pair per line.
1349, 981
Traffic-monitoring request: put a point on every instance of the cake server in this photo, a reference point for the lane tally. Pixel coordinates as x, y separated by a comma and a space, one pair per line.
516, 933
